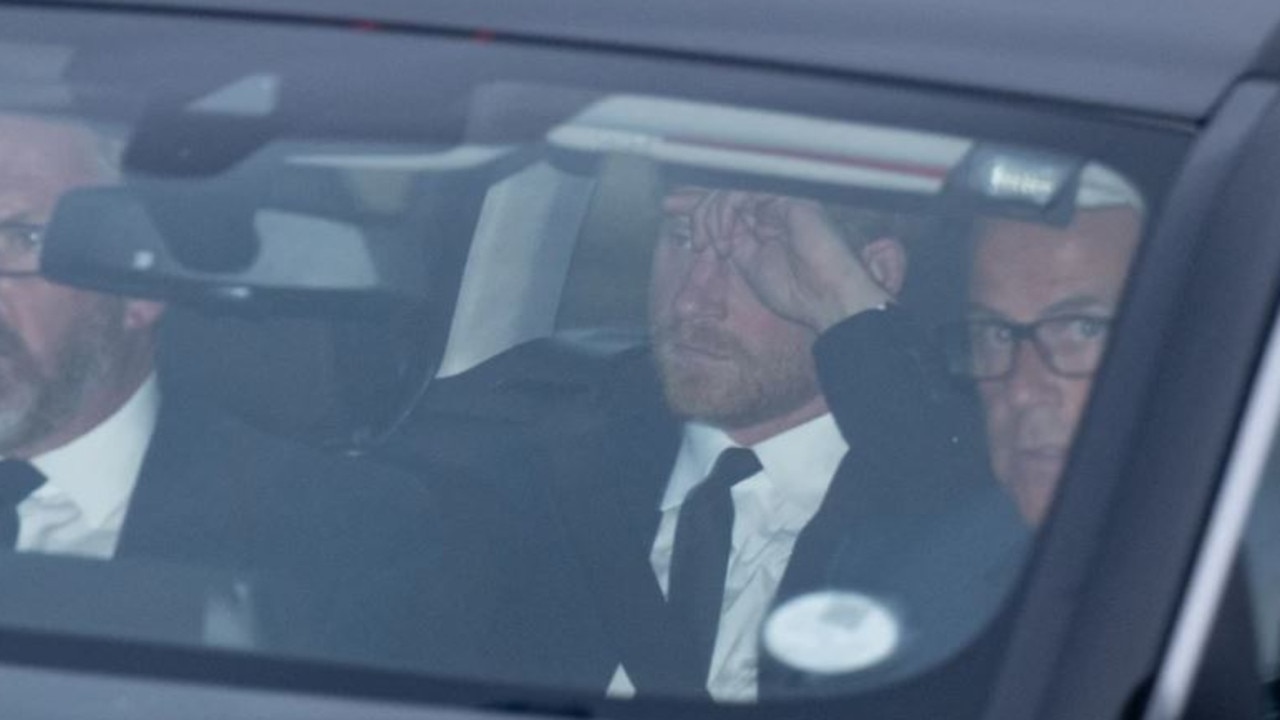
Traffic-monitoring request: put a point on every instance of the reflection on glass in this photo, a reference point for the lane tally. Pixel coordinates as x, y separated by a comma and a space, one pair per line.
658, 396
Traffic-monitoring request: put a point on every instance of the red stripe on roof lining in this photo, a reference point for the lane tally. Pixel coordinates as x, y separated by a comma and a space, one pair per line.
932, 172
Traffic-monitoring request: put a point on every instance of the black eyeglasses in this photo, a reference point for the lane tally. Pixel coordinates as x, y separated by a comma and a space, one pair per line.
20, 248
987, 349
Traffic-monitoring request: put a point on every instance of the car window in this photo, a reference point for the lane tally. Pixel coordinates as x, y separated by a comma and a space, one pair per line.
1222, 656
546, 370
1259, 578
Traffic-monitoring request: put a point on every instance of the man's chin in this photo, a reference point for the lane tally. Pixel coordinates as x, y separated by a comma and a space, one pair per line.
698, 389
19, 399
11, 382
691, 398
16, 425
1036, 478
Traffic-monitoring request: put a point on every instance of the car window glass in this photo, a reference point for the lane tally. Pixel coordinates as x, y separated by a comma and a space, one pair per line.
598, 383
1263, 577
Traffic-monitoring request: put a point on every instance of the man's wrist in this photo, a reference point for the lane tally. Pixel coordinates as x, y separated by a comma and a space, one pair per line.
851, 306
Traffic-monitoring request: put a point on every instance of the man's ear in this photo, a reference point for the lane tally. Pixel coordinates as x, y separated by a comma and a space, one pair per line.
141, 314
886, 259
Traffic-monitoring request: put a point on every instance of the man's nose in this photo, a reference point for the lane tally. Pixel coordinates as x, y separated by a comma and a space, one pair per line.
1032, 381
706, 285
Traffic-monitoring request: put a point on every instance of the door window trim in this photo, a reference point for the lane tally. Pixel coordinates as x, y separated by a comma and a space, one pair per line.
1245, 468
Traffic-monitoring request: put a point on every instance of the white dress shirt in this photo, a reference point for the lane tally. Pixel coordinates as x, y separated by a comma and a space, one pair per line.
770, 509
80, 508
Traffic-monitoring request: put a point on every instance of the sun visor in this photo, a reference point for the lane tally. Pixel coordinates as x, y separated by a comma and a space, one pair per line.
750, 147
766, 144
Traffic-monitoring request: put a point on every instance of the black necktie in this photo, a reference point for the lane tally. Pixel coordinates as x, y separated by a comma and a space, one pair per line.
18, 479
700, 557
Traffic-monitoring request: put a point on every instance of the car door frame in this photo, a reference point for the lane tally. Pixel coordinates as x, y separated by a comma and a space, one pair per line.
1111, 566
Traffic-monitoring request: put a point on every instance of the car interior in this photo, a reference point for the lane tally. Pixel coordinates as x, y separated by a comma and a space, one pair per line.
398, 299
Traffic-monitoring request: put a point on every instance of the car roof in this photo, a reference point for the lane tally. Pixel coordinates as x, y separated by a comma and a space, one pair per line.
1146, 56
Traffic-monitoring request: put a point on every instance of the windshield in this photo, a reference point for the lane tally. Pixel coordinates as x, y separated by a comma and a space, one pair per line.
540, 369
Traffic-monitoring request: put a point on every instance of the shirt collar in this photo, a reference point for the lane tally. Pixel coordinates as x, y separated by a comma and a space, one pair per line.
699, 448
99, 469
800, 462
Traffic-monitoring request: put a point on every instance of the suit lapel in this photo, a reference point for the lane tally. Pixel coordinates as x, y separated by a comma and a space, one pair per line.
608, 475
179, 509
826, 536
940, 541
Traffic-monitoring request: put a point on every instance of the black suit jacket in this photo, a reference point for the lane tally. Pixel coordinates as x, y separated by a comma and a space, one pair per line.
911, 519
554, 521
299, 525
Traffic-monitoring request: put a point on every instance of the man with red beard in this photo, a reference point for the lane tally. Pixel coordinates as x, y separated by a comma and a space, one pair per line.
99, 462
785, 436
742, 287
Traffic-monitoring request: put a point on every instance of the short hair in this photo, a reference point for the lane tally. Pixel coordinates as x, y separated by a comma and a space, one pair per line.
104, 145
861, 226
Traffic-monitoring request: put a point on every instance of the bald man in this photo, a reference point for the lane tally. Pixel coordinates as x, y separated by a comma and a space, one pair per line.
99, 464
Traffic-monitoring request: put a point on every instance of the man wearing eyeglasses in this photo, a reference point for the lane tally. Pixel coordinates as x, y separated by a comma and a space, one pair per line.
96, 461
71, 362
1041, 304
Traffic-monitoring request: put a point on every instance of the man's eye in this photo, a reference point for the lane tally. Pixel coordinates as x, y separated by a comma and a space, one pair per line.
1089, 328
21, 236
991, 334
991, 337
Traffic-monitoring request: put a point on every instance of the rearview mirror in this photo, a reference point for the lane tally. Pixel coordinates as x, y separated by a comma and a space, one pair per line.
112, 240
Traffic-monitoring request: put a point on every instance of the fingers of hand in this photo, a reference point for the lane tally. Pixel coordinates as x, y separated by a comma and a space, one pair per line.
771, 217
717, 221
